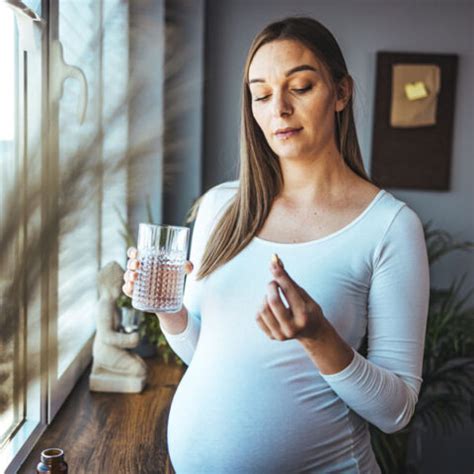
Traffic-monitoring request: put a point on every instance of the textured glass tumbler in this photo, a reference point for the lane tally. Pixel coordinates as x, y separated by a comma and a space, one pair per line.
162, 252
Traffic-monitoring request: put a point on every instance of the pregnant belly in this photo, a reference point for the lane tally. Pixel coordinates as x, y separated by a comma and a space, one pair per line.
234, 421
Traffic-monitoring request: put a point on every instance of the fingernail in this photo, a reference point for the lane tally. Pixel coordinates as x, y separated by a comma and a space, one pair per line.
276, 261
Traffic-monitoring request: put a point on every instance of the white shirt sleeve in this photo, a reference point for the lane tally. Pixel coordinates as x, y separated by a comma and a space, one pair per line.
384, 388
184, 343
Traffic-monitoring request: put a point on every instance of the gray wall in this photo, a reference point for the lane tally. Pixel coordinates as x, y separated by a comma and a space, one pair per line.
362, 28
183, 95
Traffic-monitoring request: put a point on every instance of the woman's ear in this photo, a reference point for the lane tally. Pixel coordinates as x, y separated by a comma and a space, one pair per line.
344, 92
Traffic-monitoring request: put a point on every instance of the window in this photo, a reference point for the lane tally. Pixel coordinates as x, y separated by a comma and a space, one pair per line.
9, 394
40, 134
20, 403
90, 237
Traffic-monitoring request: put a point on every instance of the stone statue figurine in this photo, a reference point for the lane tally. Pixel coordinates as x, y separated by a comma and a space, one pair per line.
114, 369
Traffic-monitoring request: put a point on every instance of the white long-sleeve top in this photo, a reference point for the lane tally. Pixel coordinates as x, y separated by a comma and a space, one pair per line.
249, 404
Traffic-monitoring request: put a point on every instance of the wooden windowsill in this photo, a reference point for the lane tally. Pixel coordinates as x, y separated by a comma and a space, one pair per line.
113, 432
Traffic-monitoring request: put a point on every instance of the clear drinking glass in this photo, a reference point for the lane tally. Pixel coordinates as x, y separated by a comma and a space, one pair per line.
162, 252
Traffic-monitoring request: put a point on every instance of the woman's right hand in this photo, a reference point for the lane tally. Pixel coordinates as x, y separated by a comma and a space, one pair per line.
131, 274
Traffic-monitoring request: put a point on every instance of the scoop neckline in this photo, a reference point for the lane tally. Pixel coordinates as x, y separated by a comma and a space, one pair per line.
327, 237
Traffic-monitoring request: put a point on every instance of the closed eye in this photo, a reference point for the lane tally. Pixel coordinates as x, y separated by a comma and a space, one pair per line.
298, 91
302, 91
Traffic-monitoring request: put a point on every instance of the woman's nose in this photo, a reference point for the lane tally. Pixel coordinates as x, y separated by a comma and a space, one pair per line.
281, 105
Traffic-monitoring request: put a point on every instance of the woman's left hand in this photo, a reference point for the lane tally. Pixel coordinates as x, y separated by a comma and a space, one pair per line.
303, 319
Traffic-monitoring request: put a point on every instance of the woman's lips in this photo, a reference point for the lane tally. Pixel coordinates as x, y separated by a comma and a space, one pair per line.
288, 134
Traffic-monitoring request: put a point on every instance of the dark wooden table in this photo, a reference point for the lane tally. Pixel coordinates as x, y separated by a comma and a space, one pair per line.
113, 433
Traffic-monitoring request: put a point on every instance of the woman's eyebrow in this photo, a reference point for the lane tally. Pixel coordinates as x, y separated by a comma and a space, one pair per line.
303, 67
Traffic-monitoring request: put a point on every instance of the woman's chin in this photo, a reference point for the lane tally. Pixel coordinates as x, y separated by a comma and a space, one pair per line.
289, 154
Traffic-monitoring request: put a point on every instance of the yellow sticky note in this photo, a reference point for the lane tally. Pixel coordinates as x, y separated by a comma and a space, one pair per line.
416, 90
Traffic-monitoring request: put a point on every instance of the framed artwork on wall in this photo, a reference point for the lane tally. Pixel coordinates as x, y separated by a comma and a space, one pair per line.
413, 120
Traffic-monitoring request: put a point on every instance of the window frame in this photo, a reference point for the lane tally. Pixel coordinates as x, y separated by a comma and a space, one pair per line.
29, 107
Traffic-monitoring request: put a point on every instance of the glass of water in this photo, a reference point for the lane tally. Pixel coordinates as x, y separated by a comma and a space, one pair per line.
162, 252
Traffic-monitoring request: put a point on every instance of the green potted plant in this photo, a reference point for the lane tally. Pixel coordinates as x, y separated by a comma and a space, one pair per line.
447, 392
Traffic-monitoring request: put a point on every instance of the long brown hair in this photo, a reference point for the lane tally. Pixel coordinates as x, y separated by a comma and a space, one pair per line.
260, 174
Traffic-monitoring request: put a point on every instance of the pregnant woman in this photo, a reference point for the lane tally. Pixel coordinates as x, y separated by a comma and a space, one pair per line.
276, 383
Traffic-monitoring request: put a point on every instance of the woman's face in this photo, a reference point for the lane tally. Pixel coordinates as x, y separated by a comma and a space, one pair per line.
290, 88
